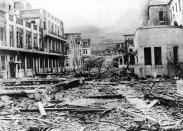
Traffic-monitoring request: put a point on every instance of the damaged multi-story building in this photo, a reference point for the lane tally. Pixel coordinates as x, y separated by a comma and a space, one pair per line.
125, 51
159, 39
75, 57
31, 41
86, 47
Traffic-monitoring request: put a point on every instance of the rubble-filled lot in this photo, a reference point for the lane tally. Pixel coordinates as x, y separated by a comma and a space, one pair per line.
94, 106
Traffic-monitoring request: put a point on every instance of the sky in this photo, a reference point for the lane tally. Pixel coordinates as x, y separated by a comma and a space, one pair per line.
85, 13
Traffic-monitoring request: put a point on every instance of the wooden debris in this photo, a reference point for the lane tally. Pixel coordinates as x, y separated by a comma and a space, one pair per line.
101, 83
67, 109
31, 118
164, 99
41, 109
66, 85
135, 115
16, 92
107, 97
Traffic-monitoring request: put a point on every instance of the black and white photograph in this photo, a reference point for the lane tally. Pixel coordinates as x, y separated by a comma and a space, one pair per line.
91, 65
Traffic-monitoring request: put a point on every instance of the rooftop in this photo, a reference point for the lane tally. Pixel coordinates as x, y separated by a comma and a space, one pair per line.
158, 2
160, 26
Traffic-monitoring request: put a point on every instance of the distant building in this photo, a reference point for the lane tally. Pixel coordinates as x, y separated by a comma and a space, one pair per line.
30, 45
159, 40
74, 59
86, 47
125, 50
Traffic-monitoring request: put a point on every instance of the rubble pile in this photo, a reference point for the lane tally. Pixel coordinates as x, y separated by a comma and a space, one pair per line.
116, 75
137, 105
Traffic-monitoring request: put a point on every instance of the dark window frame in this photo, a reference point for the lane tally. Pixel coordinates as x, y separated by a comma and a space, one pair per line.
147, 56
161, 15
157, 56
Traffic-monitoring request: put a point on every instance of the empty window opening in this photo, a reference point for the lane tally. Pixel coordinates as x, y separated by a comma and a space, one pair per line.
121, 61
29, 62
175, 54
147, 56
3, 66
132, 59
161, 16
157, 56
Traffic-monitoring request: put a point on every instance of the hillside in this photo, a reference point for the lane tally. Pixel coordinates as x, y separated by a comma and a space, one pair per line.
108, 36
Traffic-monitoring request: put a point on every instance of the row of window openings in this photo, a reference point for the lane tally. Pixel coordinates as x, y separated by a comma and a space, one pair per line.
85, 51
158, 55
53, 29
53, 18
43, 64
28, 40
52, 63
86, 44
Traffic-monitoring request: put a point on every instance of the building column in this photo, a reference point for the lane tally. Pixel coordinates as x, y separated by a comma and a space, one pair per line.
25, 65
47, 44
39, 66
16, 67
24, 37
152, 57
7, 31
38, 37
14, 32
32, 36
8, 65
33, 66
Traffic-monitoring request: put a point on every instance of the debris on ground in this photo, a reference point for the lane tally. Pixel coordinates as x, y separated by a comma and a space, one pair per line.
74, 104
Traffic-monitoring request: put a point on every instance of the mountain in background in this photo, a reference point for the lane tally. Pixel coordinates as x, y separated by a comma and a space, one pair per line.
108, 36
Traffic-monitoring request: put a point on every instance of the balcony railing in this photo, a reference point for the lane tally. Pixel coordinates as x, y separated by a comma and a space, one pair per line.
41, 49
20, 46
55, 51
53, 33
28, 46
35, 48
2, 43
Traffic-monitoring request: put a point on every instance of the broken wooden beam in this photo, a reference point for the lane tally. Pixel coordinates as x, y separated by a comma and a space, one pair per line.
101, 83
164, 99
41, 108
16, 92
67, 109
107, 97
66, 85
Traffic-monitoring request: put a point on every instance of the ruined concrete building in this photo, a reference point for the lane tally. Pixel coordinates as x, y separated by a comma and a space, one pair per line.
125, 51
31, 42
74, 59
86, 47
159, 40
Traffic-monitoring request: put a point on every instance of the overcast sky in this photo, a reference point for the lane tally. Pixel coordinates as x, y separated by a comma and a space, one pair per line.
77, 13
